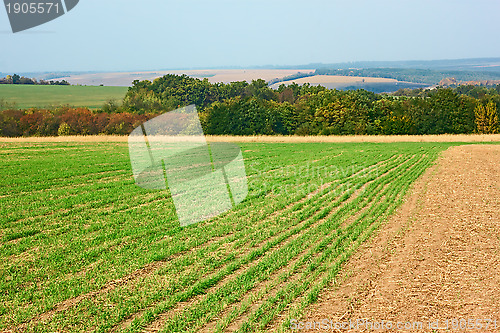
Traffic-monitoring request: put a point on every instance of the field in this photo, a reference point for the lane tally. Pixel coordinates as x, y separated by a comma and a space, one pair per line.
26, 96
374, 84
213, 75
84, 249
230, 75
437, 258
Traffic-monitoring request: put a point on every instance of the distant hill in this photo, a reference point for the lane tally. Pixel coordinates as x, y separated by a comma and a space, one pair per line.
432, 72
427, 76
44, 75
473, 64
429, 72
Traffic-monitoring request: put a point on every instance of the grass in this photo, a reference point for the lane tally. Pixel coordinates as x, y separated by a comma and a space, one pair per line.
27, 96
84, 249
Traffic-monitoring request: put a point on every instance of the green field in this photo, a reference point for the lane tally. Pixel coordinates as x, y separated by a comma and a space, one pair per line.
27, 96
85, 250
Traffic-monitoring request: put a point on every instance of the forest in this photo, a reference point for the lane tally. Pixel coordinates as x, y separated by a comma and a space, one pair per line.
241, 108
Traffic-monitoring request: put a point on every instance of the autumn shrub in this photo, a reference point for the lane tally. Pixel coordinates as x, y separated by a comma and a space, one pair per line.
10, 123
81, 121
39, 123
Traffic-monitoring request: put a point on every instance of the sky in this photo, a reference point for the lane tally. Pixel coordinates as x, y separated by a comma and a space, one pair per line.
129, 35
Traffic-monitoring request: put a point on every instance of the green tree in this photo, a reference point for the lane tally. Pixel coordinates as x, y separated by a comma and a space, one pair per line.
15, 79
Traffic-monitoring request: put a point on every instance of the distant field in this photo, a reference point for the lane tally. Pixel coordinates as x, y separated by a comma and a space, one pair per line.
26, 96
374, 84
340, 80
213, 75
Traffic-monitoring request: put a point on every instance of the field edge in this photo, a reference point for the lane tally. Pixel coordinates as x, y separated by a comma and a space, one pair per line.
465, 138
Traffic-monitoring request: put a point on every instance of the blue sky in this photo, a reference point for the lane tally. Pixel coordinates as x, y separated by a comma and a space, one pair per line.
121, 35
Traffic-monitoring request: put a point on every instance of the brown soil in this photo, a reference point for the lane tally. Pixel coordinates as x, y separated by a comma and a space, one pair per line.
438, 258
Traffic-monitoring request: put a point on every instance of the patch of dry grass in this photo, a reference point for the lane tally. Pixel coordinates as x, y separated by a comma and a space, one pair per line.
283, 139
73, 138
359, 138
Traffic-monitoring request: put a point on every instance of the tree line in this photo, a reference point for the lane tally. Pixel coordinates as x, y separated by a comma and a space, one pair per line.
241, 108
17, 79
67, 121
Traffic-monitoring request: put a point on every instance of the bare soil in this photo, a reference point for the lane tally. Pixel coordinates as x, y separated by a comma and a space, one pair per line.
438, 258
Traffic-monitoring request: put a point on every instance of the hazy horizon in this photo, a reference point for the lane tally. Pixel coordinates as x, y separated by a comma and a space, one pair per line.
125, 35
304, 67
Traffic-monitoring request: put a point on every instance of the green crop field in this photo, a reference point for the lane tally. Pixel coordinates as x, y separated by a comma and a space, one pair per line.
83, 249
26, 96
